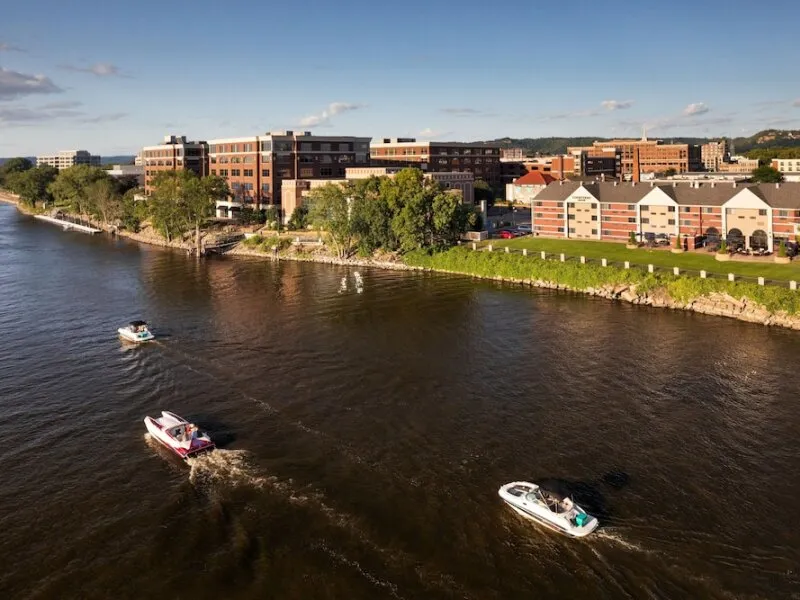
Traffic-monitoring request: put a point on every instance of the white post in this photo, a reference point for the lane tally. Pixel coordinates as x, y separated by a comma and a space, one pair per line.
792, 285
703, 275
583, 260
544, 255
627, 264
676, 271
489, 248
563, 257
650, 268
731, 277
508, 249
524, 252
604, 262
760, 281
474, 246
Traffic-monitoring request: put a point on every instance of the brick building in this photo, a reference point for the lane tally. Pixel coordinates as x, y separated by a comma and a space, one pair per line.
654, 156
174, 154
256, 166
753, 216
713, 154
482, 160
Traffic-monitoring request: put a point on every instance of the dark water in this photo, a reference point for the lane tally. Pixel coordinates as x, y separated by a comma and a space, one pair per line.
365, 435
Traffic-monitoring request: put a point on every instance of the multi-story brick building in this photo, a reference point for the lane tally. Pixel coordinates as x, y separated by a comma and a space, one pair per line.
787, 165
654, 156
174, 154
68, 158
256, 166
753, 216
713, 154
482, 160
512, 154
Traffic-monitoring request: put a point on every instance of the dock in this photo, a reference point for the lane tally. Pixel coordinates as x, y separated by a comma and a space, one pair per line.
68, 224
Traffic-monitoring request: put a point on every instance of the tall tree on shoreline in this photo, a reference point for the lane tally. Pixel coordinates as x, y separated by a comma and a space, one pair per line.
200, 200
70, 187
330, 211
32, 184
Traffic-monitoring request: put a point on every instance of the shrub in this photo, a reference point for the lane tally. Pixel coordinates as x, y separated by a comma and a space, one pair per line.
782, 249
632, 238
678, 243
723, 247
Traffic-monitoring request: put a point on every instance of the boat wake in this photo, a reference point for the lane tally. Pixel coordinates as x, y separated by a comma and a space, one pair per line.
229, 467
616, 538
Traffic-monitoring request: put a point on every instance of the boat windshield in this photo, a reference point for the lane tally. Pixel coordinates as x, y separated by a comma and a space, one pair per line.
550, 500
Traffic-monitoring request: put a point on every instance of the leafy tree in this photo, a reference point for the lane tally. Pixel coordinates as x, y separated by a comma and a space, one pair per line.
330, 211
14, 165
133, 211
766, 174
250, 216
167, 203
299, 218
103, 200
451, 218
782, 249
372, 216
632, 238
70, 187
670, 172
200, 198
483, 191
31, 184
272, 214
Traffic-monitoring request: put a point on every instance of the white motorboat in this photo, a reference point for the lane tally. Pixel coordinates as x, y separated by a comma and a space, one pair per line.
553, 510
136, 332
177, 434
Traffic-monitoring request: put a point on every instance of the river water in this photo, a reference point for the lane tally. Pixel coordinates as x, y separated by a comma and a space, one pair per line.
364, 435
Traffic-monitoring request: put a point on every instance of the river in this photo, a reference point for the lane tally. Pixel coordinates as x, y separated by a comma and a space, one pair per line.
364, 435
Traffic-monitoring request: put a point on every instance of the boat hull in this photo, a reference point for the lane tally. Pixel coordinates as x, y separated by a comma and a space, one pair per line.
136, 338
538, 514
198, 445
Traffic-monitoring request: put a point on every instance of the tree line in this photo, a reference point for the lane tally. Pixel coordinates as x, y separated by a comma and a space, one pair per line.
180, 201
402, 213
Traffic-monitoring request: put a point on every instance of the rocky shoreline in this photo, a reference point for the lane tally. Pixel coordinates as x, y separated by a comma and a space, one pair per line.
715, 304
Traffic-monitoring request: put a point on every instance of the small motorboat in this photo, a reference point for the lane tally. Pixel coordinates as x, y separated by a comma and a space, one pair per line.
177, 434
136, 332
552, 510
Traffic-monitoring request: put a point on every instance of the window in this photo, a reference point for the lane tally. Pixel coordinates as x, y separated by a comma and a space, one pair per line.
326, 172
236, 172
594, 217
213, 160
631, 219
560, 216
248, 187
687, 209
671, 222
234, 147
645, 208
248, 147
248, 172
783, 213
305, 146
560, 230
645, 221
572, 230
606, 218
223, 172
594, 231
265, 188
762, 212
306, 172
249, 159
606, 232
213, 171
686, 223
708, 209
265, 172
670, 209
266, 146
325, 146
631, 207
539, 215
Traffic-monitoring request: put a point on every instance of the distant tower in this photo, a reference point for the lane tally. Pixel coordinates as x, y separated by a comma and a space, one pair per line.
732, 148
644, 133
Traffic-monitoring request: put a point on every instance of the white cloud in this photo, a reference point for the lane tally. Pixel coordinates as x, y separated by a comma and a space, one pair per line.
99, 69
20, 115
429, 134
616, 104
323, 118
461, 112
6, 47
696, 108
14, 84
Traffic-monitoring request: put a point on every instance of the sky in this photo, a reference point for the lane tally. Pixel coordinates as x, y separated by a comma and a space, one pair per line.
114, 76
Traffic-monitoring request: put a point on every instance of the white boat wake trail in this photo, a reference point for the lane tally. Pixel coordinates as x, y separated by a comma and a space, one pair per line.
231, 467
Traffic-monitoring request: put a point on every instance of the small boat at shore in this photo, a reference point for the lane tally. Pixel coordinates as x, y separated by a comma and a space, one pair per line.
553, 510
178, 434
136, 331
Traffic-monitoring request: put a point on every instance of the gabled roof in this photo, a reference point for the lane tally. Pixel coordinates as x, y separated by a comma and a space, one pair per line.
558, 191
782, 196
535, 178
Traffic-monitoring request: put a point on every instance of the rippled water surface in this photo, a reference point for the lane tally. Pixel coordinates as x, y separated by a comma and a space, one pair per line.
364, 435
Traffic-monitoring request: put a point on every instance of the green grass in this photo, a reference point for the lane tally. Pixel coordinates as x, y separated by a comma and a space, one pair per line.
690, 261
581, 277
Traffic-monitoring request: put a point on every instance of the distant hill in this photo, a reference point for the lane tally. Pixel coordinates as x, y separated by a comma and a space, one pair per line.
769, 138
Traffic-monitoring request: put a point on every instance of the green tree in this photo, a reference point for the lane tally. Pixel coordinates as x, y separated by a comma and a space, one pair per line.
200, 198
70, 187
330, 211
13, 165
670, 172
372, 216
299, 218
31, 185
766, 174
483, 191
133, 211
104, 201
251, 216
167, 203
451, 218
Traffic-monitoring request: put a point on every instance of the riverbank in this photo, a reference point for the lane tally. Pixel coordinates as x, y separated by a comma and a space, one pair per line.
771, 306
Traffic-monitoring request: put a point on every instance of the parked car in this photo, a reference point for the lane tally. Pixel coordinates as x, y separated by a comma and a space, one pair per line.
524, 229
662, 239
507, 234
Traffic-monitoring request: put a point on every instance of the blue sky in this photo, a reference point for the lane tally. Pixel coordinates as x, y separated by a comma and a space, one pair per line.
113, 76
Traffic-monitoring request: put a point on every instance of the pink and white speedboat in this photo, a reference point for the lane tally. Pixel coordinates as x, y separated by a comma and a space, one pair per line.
177, 434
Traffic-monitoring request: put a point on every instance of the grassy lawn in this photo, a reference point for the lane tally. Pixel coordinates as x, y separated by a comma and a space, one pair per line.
690, 261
